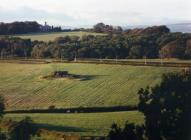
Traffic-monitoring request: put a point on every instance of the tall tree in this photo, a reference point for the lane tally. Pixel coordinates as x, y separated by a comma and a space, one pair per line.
167, 108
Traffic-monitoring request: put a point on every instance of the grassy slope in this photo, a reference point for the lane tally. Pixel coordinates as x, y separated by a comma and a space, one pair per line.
110, 85
51, 36
90, 124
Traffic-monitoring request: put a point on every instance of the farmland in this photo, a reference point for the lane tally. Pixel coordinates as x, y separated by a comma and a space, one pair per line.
51, 36
90, 124
107, 85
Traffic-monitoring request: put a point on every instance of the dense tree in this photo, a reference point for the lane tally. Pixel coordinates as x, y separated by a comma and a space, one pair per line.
19, 27
102, 28
3, 136
188, 49
167, 108
15, 47
26, 27
115, 132
173, 49
136, 52
62, 40
129, 132
23, 130
153, 44
2, 106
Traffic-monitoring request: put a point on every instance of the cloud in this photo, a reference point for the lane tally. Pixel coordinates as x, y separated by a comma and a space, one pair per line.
29, 14
89, 12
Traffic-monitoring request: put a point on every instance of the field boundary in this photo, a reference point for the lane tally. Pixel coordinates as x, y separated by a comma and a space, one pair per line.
77, 110
100, 61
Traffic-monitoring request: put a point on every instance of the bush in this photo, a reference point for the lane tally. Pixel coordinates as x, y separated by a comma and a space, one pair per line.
129, 132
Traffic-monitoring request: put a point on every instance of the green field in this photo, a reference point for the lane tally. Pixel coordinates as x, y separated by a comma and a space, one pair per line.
51, 36
89, 124
108, 85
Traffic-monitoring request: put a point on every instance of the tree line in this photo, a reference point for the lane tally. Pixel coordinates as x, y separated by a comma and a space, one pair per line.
19, 27
26, 27
112, 46
103, 28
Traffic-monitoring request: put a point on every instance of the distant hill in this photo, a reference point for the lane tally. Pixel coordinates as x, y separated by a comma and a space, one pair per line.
181, 27
148, 30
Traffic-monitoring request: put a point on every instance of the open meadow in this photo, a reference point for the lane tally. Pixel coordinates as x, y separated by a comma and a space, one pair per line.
51, 36
24, 88
87, 124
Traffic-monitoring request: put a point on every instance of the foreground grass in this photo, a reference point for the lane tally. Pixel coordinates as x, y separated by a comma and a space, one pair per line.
109, 85
88, 124
51, 36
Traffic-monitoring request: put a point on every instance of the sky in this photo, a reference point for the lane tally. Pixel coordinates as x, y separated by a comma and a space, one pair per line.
78, 13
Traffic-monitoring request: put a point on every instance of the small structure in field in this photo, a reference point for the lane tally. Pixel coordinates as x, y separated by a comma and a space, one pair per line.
63, 74
60, 74
66, 75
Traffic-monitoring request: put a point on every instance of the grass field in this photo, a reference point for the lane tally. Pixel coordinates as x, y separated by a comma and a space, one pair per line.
51, 36
108, 85
89, 124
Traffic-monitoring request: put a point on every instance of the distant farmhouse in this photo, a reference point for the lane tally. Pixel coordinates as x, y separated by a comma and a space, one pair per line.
48, 28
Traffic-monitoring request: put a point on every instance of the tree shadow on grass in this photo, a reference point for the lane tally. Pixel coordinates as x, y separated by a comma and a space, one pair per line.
73, 77
90, 77
61, 128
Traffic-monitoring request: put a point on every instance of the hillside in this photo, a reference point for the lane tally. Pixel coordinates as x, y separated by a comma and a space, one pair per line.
182, 27
106, 85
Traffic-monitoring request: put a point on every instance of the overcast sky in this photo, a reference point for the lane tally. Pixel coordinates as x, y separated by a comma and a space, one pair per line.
89, 12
